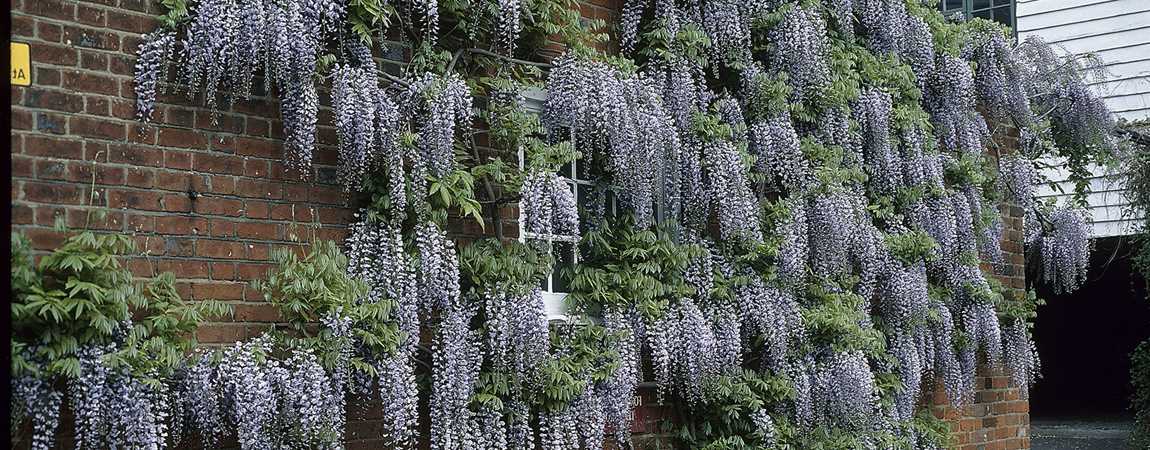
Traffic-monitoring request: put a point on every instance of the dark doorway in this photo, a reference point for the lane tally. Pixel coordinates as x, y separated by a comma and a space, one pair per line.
1085, 338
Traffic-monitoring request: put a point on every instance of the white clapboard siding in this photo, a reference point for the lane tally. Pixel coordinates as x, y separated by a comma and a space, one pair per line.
1118, 31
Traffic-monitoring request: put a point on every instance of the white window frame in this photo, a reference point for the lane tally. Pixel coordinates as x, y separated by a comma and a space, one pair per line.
554, 303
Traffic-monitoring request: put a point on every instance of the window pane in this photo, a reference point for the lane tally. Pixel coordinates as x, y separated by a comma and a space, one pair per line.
979, 4
985, 14
564, 253
952, 4
1003, 2
566, 170
1002, 15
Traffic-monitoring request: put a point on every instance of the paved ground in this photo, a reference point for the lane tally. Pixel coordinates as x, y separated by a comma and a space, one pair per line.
1084, 434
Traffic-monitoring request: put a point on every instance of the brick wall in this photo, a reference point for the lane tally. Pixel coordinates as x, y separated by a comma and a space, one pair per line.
206, 195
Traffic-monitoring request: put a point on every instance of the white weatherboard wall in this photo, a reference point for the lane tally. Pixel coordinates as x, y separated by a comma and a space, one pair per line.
1118, 31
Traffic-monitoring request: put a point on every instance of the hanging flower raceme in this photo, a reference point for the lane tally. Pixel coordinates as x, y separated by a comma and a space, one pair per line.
154, 52
438, 274
800, 50
874, 113
457, 357
36, 398
778, 153
365, 120
1079, 118
1000, 81
950, 100
548, 204
616, 118
114, 409
260, 397
844, 391
436, 107
1065, 249
730, 192
884, 23
1021, 356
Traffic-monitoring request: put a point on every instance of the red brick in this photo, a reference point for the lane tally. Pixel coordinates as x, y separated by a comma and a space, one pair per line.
206, 120
222, 228
91, 16
177, 203
256, 210
219, 206
257, 230
221, 333
177, 160
83, 172
46, 76
137, 155
181, 138
257, 313
21, 166
223, 271
55, 100
145, 200
53, 193
131, 22
219, 249
22, 26
21, 120
52, 54
175, 181
96, 128
140, 177
252, 271
55, 9
49, 31
22, 214
182, 225
261, 148
218, 164
54, 148
247, 187
219, 291
91, 38
90, 84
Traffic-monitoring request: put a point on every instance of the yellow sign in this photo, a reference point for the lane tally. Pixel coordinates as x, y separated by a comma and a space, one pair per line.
21, 64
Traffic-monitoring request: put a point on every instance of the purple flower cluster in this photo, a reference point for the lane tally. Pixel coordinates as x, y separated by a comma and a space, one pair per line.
776, 146
1021, 356
844, 391
950, 100
270, 403
114, 409
153, 54
685, 339
436, 107
873, 112
456, 359
1000, 82
730, 193
34, 397
438, 274
617, 118
773, 314
548, 204
1066, 249
516, 338
365, 120
800, 50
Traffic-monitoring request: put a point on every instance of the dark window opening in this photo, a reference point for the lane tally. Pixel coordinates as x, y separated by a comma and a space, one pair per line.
1084, 340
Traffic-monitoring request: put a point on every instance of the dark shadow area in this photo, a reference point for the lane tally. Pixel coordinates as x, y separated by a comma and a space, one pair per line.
1085, 338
